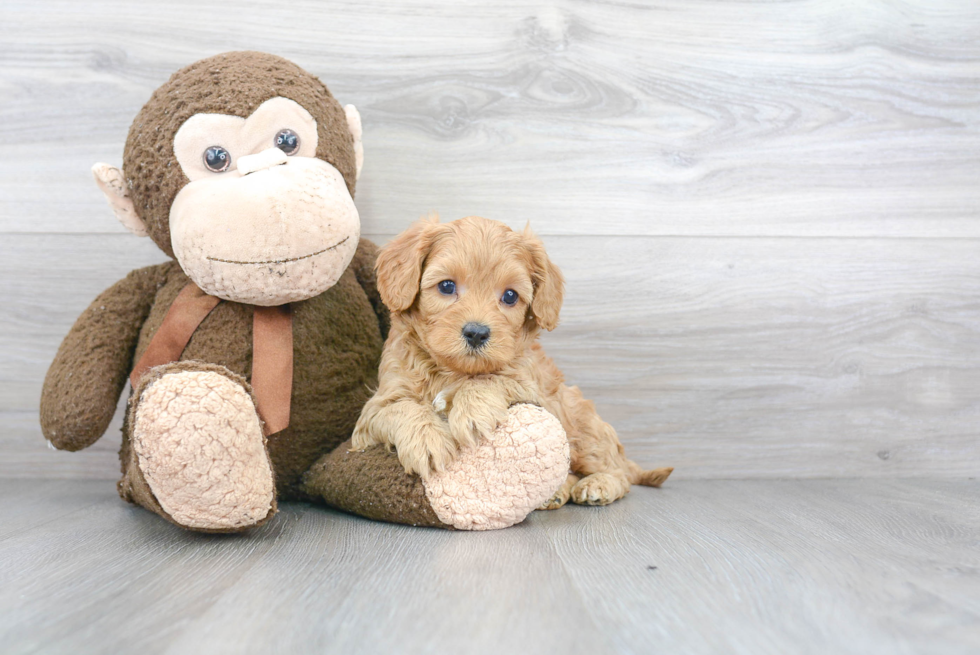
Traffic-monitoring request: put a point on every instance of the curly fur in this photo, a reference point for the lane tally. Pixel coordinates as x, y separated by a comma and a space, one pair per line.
437, 394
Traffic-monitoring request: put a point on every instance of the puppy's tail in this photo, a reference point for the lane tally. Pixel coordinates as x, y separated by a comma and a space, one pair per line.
653, 478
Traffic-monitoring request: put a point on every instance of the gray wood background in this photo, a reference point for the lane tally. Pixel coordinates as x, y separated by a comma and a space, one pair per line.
767, 212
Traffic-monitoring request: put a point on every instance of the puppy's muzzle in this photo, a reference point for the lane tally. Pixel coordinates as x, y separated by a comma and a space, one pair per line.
476, 335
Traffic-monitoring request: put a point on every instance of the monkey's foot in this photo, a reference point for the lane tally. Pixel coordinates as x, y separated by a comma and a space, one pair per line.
509, 474
200, 448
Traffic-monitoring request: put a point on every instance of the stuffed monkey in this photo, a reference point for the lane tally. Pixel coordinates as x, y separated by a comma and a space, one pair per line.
253, 350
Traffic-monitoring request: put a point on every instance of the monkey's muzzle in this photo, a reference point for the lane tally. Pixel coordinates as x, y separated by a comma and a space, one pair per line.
269, 233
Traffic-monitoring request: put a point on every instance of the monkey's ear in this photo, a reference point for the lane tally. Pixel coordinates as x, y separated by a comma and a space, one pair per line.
354, 124
549, 285
399, 263
113, 185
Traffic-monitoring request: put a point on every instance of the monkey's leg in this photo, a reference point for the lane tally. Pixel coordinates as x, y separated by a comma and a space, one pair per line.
197, 455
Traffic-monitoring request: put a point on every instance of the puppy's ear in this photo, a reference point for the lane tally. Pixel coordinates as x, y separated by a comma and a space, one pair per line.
549, 285
399, 263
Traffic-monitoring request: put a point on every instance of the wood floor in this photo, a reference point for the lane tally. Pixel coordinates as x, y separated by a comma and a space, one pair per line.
808, 566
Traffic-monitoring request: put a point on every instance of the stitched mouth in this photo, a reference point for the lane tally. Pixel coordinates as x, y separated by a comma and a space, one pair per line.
281, 261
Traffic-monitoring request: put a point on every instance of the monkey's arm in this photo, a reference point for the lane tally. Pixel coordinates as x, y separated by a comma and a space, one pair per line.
89, 372
363, 266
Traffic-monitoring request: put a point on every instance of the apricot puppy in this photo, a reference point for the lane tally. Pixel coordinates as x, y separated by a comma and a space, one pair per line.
467, 300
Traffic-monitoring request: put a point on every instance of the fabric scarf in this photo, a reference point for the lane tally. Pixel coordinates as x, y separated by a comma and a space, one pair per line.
272, 351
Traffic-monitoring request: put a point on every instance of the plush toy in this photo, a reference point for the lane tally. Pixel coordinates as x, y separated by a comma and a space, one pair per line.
252, 352
515, 470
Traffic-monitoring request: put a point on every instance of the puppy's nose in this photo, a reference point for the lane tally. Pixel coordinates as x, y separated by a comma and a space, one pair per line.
476, 334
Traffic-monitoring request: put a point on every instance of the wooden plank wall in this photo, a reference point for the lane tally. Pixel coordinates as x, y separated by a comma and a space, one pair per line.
767, 212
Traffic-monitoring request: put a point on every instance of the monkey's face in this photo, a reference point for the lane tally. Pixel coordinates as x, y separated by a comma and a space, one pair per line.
262, 220
250, 190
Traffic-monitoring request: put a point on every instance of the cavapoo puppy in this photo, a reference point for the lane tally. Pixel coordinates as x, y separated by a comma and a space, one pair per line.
467, 301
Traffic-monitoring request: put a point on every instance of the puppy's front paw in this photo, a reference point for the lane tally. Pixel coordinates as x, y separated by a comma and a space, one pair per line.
558, 500
431, 448
599, 489
472, 419
477, 410
361, 438
563, 494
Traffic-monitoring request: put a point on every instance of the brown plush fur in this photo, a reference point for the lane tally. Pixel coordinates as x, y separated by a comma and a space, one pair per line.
371, 484
234, 83
427, 368
83, 383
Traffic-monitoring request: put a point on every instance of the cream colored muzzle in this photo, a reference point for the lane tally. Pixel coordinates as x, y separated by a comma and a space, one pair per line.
261, 161
271, 232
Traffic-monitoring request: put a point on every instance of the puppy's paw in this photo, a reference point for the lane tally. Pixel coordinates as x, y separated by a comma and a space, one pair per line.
431, 448
563, 494
475, 416
558, 500
360, 439
599, 489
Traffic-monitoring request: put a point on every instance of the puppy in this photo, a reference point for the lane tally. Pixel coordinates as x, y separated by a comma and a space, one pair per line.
467, 302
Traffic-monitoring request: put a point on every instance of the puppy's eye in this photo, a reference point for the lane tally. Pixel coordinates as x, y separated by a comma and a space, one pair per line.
510, 297
447, 287
217, 159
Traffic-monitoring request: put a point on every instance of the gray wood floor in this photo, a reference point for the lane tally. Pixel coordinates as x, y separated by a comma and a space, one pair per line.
814, 566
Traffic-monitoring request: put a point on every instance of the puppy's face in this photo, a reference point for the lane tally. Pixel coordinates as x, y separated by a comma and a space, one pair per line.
473, 300
474, 290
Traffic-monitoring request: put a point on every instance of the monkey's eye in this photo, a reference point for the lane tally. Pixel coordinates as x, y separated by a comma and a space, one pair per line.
447, 287
287, 141
217, 159
510, 297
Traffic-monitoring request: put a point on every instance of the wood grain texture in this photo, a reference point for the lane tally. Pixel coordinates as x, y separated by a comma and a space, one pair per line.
726, 358
748, 567
768, 212
669, 117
